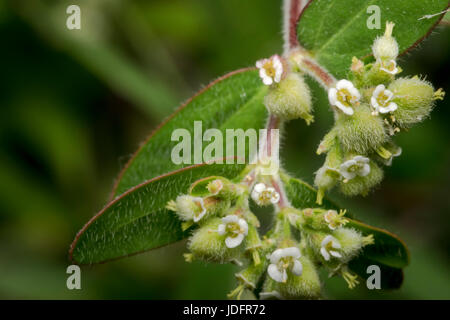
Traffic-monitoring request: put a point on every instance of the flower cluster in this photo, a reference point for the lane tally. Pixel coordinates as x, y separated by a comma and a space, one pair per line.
370, 108
224, 229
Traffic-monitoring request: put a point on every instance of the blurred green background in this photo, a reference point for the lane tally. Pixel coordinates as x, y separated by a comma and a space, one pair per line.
76, 104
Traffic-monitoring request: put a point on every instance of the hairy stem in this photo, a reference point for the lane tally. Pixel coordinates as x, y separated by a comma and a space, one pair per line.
291, 12
308, 64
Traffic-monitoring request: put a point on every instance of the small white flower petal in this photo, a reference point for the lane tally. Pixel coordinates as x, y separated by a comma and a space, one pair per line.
297, 268
276, 256
233, 242
293, 252
230, 219
325, 254
260, 187
332, 96
347, 110
364, 171
244, 226
391, 107
275, 274
335, 244
335, 254
275, 197
326, 240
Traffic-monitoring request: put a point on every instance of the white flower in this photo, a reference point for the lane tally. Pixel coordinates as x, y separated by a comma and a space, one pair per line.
330, 217
282, 260
270, 70
344, 96
264, 195
215, 186
236, 228
358, 166
381, 100
389, 66
329, 243
396, 153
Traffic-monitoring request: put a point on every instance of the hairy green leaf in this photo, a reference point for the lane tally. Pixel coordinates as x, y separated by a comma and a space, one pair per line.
233, 101
137, 220
388, 248
390, 278
336, 30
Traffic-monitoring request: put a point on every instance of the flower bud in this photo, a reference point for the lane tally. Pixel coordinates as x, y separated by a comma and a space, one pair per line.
290, 99
207, 244
328, 175
188, 207
218, 187
362, 183
360, 133
351, 243
386, 47
415, 100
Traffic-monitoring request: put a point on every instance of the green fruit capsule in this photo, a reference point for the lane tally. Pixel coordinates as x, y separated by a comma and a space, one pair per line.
290, 99
415, 99
361, 132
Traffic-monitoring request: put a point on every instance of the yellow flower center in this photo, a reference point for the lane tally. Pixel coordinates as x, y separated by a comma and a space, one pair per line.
382, 99
270, 69
345, 97
233, 229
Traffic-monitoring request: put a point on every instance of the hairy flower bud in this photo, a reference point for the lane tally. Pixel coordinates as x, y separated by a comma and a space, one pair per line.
386, 47
415, 100
360, 133
207, 244
290, 99
351, 242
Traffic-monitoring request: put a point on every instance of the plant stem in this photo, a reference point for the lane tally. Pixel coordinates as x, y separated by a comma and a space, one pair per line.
292, 10
303, 60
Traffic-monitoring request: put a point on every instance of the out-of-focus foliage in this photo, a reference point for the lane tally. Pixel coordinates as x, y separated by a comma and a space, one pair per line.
75, 104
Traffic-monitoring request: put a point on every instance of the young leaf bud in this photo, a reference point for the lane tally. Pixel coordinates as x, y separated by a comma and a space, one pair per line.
415, 100
290, 99
360, 133
359, 177
208, 244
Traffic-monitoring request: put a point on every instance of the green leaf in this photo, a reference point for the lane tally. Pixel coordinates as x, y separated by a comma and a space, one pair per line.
336, 30
231, 102
388, 249
137, 220
390, 278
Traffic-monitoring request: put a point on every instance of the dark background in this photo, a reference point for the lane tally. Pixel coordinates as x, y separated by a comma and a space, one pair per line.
75, 104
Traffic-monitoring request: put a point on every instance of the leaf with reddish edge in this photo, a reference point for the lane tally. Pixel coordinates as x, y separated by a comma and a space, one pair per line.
137, 220
233, 101
334, 31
